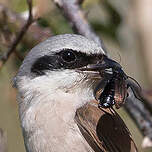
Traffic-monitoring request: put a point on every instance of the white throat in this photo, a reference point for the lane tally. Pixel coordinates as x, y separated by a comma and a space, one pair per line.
45, 108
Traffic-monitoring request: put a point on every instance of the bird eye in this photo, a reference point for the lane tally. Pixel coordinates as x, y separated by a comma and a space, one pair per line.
68, 55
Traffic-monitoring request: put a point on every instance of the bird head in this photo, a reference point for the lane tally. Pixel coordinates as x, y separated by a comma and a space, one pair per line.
56, 70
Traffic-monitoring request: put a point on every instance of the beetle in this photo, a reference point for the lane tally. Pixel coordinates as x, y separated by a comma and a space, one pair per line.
113, 88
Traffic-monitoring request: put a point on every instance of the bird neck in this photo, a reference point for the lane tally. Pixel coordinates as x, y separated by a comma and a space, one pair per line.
44, 122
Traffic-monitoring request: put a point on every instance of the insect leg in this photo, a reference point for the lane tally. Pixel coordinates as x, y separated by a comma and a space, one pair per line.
136, 90
101, 85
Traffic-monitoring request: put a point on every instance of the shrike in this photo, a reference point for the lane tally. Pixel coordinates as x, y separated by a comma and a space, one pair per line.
54, 96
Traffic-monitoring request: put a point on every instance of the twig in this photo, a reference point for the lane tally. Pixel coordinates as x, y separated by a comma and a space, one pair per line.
30, 20
142, 118
35, 32
21, 58
75, 15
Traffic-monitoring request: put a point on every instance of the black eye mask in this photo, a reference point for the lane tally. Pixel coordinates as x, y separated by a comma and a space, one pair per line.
65, 59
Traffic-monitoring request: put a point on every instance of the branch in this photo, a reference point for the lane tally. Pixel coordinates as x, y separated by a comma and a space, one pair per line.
142, 118
75, 15
30, 20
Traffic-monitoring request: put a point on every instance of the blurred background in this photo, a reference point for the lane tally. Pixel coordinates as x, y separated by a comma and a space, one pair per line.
124, 26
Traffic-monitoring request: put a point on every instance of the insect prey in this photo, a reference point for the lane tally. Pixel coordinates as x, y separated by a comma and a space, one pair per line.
113, 88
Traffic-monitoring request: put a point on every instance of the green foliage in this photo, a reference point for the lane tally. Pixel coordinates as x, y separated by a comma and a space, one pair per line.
19, 5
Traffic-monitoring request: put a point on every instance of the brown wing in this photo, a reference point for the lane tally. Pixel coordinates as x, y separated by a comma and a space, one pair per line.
104, 130
120, 92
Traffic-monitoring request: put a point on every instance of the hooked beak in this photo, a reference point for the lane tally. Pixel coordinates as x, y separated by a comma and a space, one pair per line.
106, 64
